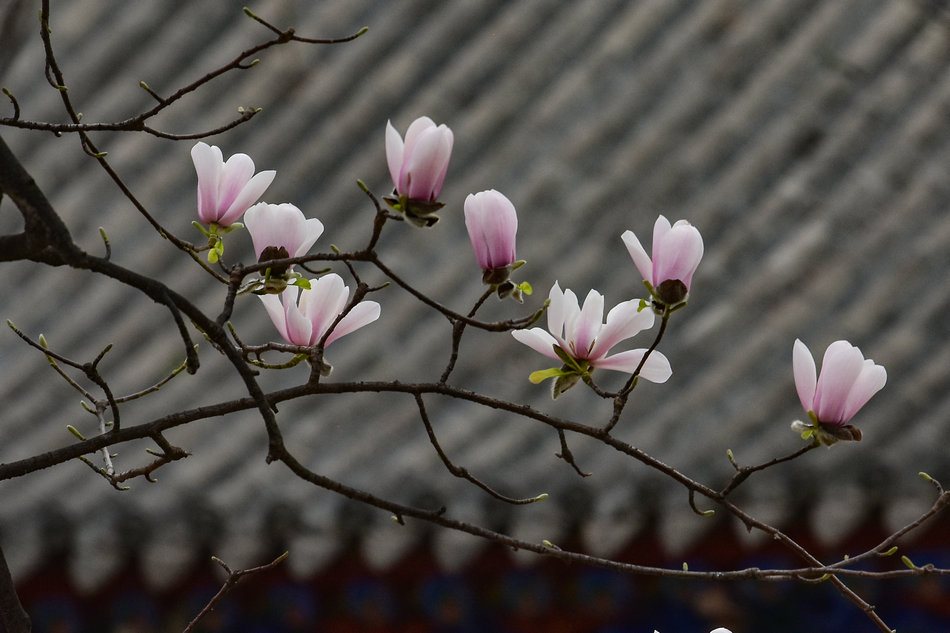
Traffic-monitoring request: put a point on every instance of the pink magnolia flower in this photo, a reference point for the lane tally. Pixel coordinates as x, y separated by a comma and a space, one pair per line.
584, 338
281, 226
492, 223
418, 164
846, 383
226, 189
677, 250
306, 323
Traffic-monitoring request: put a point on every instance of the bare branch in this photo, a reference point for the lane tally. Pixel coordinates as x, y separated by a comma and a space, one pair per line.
234, 577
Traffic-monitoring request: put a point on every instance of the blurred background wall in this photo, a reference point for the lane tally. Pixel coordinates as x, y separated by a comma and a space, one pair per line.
807, 140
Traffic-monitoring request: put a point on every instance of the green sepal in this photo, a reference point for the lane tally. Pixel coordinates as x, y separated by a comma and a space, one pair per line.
571, 364
418, 213
537, 377
565, 382
301, 282
201, 227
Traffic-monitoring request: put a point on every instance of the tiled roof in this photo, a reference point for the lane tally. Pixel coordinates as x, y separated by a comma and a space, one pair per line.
809, 141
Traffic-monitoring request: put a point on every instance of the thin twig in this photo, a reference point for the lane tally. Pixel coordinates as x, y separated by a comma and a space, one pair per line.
463, 473
234, 577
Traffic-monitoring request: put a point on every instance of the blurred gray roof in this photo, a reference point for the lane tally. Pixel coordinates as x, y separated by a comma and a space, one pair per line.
809, 141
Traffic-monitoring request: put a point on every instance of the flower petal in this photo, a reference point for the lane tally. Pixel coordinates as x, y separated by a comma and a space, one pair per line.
806, 376
558, 310
252, 191
415, 130
208, 162
679, 253
267, 226
324, 301
235, 173
871, 380
425, 164
281, 225
839, 369
640, 258
275, 310
362, 314
492, 224
623, 321
586, 326
657, 368
310, 231
300, 330
394, 152
538, 340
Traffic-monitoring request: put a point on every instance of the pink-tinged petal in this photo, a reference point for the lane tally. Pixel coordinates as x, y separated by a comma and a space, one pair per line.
839, 369
394, 152
476, 233
425, 164
587, 325
571, 311
415, 130
275, 310
656, 369
445, 154
362, 314
660, 229
639, 256
299, 328
281, 225
310, 231
679, 254
226, 190
806, 376
557, 310
324, 302
237, 171
208, 161
492, 224
538, 340
419, 163
264, 222
871, 380
247, 196
623, 321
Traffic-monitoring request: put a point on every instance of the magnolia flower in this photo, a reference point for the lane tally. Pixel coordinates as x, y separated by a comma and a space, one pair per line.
281, 230
492, 223
677, 250
226, 189
579, 337
418, 165
305, 323
846, 383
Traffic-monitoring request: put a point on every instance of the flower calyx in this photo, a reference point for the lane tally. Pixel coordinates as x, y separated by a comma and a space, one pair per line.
419, 213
